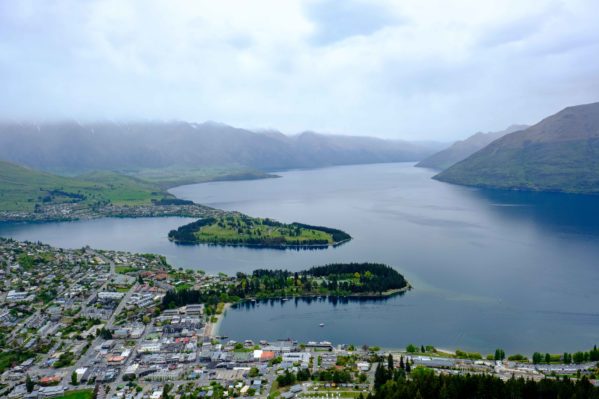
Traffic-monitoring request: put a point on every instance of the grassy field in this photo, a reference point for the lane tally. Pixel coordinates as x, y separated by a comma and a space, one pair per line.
79, 394
237, 229
241, 229
21, 189
125, 269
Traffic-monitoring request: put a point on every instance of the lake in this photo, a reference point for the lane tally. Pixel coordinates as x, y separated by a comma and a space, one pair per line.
490, 269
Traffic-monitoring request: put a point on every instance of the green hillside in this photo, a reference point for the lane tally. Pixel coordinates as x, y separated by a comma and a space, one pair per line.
461, 150
560, 153
21, 189
177, 176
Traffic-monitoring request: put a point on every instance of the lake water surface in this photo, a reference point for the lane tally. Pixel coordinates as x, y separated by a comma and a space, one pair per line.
490, 269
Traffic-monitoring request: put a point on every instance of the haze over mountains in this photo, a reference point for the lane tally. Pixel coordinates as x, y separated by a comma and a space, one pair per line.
461, 150
70, 147
560, 153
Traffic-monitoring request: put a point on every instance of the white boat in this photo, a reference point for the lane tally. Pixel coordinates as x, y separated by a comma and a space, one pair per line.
322, 324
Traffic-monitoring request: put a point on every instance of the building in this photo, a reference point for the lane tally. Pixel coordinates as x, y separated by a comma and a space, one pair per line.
110, 295
50, 392
16, 296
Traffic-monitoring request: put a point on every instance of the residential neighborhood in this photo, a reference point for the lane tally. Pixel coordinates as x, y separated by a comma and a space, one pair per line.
93, 323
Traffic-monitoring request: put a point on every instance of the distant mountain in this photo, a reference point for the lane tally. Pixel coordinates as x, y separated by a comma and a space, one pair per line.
560, 153
70, 147
461, 150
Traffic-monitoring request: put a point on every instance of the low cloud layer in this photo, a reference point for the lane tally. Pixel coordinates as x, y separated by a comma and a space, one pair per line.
404, 69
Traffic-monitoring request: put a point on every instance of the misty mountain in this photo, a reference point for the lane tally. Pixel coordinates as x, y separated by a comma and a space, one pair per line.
70, 147
560, 153
462, 149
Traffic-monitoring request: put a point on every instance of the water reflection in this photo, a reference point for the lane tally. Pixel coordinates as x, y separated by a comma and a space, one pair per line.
550, 212
330, 299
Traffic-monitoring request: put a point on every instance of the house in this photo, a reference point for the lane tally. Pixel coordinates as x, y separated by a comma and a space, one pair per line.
16, 296
110, 295
296, 389
51, 392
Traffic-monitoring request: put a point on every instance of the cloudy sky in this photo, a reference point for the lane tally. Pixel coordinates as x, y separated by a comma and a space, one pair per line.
421, 69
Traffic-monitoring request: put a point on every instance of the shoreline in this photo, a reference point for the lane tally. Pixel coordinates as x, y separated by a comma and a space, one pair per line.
365, 295
261, 246
215, 327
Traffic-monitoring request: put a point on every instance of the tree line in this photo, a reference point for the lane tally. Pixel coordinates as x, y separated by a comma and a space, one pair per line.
423, 383
567, 358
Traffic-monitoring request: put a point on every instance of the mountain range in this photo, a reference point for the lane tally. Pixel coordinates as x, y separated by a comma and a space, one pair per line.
560, 153
462, 149
71, 147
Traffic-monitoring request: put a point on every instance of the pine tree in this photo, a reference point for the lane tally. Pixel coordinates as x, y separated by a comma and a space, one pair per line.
73, 378
401, 363
390, 362
29, 384
380, 376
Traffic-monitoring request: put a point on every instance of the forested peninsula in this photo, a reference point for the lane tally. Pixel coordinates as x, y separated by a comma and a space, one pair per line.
241, 230
339, 279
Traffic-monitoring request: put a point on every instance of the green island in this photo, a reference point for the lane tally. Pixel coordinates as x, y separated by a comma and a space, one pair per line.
241, 230
340, 279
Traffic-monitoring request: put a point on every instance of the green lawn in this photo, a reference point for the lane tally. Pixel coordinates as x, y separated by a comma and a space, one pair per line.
79, 394
125, 269
183, 286
240, 229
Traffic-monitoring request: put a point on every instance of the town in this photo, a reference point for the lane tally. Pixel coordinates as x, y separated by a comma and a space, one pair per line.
70, 211
83, 323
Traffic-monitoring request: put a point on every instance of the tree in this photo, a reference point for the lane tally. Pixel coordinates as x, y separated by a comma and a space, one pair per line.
380, 376
390, 362
401, 363
29, 384
422, 349
537, 358
411, 349
254, 372
408, 367
567, 358
499, 354
165, 391
578, 357
104, 333
74, 378
547, 358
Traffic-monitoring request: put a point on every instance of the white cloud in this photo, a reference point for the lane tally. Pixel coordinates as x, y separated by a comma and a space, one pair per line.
407, 69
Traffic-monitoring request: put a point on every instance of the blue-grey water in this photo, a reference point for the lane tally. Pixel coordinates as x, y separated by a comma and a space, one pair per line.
490, 269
